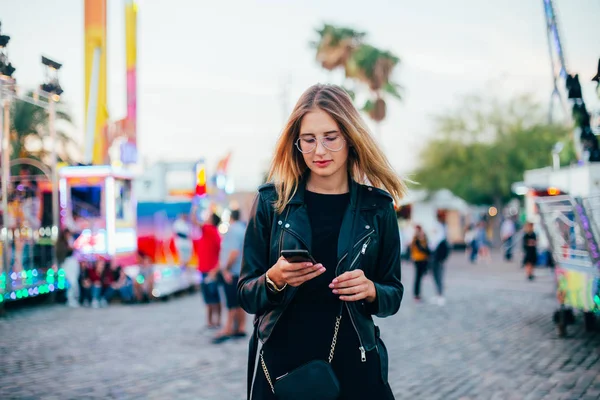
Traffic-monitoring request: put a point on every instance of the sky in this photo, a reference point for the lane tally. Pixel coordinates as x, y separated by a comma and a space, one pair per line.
223, 76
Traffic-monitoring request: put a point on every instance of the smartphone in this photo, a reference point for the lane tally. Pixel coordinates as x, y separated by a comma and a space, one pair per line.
296, 256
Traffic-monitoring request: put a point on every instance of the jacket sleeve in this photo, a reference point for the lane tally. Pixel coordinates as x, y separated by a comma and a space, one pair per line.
387, 277
253, 294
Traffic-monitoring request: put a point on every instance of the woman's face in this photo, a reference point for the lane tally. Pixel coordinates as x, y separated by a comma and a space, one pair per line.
316, 128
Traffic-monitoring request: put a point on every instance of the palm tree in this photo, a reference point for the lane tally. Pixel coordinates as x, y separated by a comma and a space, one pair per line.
29, 132
340, 47
336, 45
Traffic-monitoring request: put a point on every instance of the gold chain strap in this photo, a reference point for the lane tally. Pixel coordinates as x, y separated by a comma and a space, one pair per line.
334, 341
264, 367
330, 359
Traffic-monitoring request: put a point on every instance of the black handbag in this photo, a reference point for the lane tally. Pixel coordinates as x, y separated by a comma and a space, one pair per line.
314, 380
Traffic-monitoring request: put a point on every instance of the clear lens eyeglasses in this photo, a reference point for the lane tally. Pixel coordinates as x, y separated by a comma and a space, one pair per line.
309, 144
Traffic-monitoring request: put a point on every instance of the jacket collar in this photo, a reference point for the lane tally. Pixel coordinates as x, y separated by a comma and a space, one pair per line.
298, 197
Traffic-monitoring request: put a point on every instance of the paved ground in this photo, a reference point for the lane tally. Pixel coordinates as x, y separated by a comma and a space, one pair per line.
493, 340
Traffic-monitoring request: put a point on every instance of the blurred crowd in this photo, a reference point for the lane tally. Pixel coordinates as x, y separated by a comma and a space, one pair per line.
94, 282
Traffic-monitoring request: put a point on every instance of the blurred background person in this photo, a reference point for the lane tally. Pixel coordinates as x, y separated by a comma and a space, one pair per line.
471, 243
121, 284
439, 253
68, 262
92, 283
530, 249
419, 252
209, 247
507, 232
142, 285
230, 266
483, 244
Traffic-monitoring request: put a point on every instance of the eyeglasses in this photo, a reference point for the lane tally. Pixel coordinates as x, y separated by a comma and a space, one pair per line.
308, 144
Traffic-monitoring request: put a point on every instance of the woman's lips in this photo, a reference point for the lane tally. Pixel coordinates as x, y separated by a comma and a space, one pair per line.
323, 164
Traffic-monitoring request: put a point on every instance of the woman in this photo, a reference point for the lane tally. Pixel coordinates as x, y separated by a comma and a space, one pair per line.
419, 253
530, 249
317, 202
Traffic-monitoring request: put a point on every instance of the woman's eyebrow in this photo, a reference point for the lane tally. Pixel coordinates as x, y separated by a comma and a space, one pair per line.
324, 133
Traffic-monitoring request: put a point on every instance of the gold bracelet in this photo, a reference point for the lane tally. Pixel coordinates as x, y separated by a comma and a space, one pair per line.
272, 284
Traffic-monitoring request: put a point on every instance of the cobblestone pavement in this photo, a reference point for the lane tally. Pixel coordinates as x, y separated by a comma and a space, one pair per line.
493, 340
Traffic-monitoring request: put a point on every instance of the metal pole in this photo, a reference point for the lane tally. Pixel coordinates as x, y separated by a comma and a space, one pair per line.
4, 138
53, 162
92, 115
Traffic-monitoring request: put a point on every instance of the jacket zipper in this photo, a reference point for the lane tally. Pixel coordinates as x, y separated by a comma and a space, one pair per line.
363, 353
357, 243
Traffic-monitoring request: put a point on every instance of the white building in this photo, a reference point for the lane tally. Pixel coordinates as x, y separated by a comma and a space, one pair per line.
166, 181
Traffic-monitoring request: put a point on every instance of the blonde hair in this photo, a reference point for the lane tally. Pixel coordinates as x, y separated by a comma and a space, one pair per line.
367, 164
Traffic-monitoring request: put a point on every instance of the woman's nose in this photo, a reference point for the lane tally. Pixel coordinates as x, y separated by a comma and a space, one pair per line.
320, 148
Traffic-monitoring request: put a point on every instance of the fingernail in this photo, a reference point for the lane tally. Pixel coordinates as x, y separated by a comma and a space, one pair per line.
331, 285
335, 281
322, 269
307, 264
335, 291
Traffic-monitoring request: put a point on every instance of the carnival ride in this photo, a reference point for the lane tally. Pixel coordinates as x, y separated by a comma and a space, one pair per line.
571, 224
95, 201
565, 202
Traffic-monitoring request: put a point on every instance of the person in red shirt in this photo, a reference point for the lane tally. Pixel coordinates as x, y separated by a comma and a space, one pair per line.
209, 247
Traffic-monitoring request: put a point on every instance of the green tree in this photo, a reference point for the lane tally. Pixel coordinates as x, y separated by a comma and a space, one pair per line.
29, 132
367, 65
483, 146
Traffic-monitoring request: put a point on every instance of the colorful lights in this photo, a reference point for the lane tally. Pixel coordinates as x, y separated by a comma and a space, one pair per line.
50, 276
31, 283
87, 243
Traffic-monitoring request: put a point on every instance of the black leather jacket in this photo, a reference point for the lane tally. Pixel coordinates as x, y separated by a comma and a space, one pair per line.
369, 239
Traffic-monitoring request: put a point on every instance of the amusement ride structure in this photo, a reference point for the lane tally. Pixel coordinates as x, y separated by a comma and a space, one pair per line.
94, 200
564, 203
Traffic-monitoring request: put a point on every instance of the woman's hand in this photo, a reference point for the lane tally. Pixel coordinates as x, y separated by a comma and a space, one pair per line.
354, 286
294, 274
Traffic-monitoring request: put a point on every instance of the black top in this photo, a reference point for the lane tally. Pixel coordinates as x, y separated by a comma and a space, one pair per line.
526, 238
305, 330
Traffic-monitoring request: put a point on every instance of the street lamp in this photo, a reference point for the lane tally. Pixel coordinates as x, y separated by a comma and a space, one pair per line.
51, 87
7, 88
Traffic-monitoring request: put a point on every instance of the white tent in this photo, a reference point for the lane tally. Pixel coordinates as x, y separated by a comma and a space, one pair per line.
424, 210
